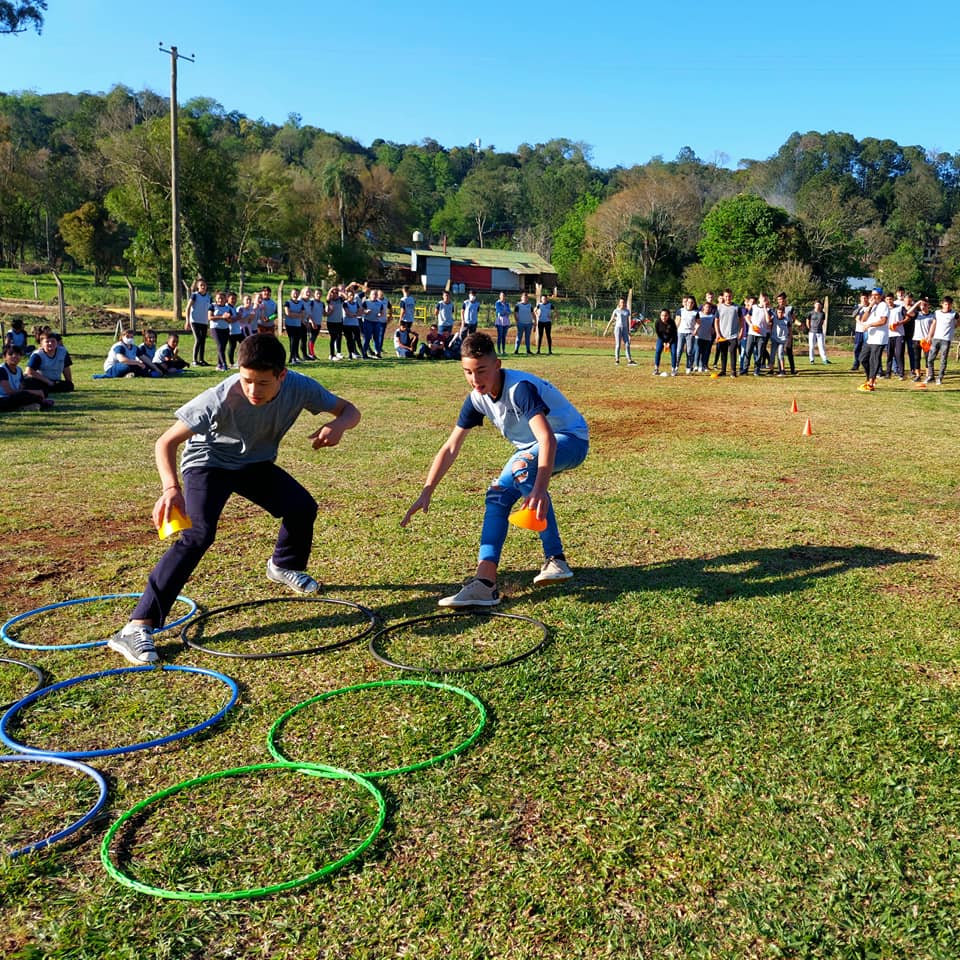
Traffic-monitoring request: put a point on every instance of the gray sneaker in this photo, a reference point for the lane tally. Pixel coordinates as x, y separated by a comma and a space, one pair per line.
474, 593
298, 582
135, 643
553, 569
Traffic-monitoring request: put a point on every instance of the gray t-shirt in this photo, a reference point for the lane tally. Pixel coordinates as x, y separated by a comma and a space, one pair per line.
231, 433
728, 320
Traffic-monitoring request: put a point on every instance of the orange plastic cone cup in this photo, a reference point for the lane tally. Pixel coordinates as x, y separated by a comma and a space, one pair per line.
807, 429
527, 520
794, 408
175, 523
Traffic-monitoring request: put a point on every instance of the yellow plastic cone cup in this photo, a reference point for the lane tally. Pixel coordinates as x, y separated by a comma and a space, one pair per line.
175, 523
527, 520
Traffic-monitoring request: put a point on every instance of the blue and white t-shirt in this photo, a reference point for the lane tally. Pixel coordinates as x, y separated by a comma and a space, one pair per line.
406, 308
471, 312
51, 367
231, 433
199, 308
522, 396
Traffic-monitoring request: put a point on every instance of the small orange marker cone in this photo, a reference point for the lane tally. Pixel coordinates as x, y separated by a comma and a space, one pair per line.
527, 520
793, 407
807, 429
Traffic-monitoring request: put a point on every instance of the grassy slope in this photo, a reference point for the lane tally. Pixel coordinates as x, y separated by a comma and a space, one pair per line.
740, 743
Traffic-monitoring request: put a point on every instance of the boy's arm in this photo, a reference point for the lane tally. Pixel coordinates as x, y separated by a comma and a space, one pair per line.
165, 454
346, 417
36, 373
547, 445
441, 464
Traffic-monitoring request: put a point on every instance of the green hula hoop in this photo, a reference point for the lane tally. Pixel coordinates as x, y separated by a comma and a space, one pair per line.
312, 769
376, 774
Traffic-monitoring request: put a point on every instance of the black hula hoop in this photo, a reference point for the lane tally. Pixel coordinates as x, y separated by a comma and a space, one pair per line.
35, 670
185, 633
375, 642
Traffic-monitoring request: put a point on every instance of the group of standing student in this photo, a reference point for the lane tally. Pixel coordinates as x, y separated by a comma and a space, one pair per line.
755, 333
891, 329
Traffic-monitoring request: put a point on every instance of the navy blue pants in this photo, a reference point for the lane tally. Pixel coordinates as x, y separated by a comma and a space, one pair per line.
206, 491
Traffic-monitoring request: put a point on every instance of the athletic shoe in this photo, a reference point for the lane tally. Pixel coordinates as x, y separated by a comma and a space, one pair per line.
929, 379
866, 388
939, 381
134, 642
474, 593
31, 407
553, 569
298, 582
828, 361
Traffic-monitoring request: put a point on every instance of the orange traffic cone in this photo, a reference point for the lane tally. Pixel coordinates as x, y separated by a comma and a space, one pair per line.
793, 406
807, 429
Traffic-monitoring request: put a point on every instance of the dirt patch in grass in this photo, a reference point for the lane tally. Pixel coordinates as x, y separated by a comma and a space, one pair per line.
637, 419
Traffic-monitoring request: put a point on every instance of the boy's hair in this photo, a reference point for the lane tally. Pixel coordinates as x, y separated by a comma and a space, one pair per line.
477, 345
12, 348
262, 351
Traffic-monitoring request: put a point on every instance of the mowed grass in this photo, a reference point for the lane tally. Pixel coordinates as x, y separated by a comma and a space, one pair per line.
740, 741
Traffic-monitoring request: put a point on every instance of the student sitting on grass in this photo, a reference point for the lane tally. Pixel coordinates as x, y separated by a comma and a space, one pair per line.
405, 340
549, 434
123, 361
168, 358
15, 392
230, 435
48, 368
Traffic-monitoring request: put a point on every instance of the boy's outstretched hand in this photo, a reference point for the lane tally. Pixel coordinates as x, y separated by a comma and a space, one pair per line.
421, 503
328, 435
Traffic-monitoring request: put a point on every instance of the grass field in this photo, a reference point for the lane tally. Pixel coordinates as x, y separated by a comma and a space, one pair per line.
741, 740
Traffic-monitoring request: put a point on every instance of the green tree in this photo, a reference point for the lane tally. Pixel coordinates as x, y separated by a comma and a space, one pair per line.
902, 268
93, 240
18, 17
569, 236
743, 237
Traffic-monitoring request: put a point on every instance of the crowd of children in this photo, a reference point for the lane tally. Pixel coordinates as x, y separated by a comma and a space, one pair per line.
889, 331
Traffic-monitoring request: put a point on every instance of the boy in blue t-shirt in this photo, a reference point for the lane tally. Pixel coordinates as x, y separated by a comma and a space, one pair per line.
230, 435
549, 435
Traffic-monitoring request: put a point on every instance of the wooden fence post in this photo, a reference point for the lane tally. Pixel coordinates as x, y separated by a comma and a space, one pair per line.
132, 299
61, 304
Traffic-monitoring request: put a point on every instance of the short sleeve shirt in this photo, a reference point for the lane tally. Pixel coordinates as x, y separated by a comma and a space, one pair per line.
231, 433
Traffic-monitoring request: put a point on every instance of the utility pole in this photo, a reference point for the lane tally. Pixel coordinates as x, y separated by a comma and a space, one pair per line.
174, 198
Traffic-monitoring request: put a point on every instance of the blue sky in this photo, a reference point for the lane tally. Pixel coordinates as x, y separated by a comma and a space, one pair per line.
730, 80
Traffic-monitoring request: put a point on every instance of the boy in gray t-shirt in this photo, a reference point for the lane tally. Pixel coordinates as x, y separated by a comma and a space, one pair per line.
230, 435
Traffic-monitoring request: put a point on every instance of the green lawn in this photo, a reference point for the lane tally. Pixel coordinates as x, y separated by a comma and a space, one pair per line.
741, 740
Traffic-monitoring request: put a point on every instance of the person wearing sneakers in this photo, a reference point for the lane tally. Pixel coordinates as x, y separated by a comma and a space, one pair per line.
876, 332
549, 435
945, 319
620, 318
230, 435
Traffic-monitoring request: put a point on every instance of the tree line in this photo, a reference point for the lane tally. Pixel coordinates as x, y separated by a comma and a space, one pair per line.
84, 179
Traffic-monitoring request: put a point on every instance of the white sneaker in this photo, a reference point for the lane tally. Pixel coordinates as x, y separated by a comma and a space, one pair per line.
298, 582
135, 643
474, 593
553, 569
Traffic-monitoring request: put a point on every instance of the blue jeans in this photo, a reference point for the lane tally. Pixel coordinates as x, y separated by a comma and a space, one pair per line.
523, 333
515, 483
658, 352
502, 339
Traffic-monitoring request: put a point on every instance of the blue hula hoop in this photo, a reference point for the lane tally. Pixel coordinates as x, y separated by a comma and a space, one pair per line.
72, 603
113, 751
76, 825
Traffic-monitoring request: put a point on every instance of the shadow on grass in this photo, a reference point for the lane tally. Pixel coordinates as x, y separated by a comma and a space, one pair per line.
763, 572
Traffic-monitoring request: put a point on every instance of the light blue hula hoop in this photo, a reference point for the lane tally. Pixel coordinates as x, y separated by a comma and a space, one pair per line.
113, 751
72, 603
76, 825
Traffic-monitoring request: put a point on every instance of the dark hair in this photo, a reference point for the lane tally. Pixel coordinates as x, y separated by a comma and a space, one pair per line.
477, 345
12, 348
262, 351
